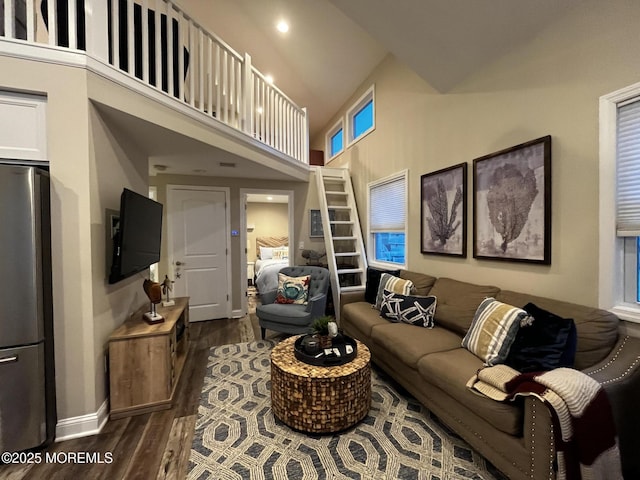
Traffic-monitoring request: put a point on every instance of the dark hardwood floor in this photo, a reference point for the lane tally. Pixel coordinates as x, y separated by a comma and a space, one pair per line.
148, 446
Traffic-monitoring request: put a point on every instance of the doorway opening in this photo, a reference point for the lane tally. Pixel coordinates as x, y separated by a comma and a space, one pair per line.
268, 234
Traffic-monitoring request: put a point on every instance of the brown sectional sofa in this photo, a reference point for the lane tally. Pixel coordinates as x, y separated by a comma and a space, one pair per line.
516, 436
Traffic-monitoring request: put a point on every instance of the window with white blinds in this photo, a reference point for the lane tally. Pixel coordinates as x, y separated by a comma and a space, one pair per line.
386, 244
387, 205
628, 169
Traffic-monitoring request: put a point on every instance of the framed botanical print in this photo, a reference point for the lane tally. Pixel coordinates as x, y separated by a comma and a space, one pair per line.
443, 211
512, 203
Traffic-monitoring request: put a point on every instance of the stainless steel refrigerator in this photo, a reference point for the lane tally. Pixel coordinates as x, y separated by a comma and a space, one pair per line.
27, 377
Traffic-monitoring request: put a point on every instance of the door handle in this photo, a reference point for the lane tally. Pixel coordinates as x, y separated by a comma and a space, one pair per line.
178, 263
9, 359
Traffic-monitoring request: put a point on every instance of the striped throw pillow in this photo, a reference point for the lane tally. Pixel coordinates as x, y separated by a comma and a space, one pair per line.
493, 330
393, 284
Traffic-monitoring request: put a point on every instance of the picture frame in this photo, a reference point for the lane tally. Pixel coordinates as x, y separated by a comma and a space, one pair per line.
512, 203
315, 223
443, 211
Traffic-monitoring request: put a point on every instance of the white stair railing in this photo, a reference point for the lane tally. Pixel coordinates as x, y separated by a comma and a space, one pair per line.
343, 240
159, 44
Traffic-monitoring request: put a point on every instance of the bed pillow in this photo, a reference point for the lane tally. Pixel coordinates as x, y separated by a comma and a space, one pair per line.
409, 309
548, 341
266, 253
373, 282
293, 289
393, 284
280, 253
493, 330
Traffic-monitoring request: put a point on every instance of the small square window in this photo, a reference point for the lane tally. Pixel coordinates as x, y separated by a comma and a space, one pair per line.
335, 140
336, 143
361, 118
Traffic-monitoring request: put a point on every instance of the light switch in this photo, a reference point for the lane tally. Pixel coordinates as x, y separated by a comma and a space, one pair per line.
301, 245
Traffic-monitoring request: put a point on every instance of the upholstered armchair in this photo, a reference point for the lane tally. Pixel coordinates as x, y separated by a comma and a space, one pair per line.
295, 318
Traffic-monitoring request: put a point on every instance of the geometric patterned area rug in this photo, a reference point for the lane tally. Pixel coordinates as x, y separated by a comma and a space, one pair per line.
237, 436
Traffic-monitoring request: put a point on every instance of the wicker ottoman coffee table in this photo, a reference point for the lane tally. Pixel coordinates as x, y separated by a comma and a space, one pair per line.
319, 399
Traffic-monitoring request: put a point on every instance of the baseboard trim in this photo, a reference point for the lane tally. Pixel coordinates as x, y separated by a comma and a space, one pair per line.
236, 314
84, 425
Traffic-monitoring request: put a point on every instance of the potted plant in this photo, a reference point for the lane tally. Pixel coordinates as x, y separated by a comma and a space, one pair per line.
321, 329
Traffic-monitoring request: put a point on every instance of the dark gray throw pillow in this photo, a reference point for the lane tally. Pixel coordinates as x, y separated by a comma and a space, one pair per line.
548, 342
373, 282
408, 309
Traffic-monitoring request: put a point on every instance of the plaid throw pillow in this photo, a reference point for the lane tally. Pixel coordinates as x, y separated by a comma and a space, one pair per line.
409, 309
493, 330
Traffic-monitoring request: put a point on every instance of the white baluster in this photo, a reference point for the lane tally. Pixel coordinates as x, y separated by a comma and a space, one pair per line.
145, 41
210, 75
130, 39
52, 18
157, 53
31, 23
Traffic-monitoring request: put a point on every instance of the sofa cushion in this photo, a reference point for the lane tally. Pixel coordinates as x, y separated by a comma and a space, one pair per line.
409, 343
436, 368
493, 330
409, 309
373, 282
422, 283
359, 318
458, 302
545, 343
597, 329
393, 284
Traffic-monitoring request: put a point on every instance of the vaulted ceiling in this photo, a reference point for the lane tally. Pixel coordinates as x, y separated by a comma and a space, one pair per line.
333, 45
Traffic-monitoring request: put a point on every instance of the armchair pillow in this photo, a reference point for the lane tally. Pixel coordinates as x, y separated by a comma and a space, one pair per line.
393, 284
493, 330
293, 289
409, 309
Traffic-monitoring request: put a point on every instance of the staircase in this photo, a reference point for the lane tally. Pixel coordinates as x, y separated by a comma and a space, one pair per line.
344, 246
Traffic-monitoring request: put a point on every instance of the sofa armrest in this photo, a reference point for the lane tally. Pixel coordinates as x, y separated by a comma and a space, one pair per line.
351, 297
619, 375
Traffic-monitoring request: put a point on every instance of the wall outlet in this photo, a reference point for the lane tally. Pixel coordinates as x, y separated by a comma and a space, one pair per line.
301, 245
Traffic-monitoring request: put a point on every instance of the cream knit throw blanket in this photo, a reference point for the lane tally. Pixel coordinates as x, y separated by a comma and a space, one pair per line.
586, 442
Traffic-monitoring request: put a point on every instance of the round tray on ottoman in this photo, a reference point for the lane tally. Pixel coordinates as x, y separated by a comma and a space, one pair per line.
343, 350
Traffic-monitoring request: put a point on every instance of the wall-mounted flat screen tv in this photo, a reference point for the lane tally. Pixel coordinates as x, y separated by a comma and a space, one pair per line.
136, 243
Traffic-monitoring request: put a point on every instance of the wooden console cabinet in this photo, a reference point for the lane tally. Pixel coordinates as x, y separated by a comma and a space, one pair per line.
145, 361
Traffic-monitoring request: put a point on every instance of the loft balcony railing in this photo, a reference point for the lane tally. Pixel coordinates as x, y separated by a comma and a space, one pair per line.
160, 45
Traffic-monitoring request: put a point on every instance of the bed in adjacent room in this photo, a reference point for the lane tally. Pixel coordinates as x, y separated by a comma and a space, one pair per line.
272, 255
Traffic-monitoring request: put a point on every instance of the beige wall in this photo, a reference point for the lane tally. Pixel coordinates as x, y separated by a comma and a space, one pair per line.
115, 163
551, 86
267, 219
77, 249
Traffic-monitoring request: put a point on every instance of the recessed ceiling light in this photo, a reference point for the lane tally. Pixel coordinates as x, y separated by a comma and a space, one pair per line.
268, 79
282, 26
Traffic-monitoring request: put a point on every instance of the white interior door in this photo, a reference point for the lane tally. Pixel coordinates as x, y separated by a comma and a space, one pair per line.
199, 233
